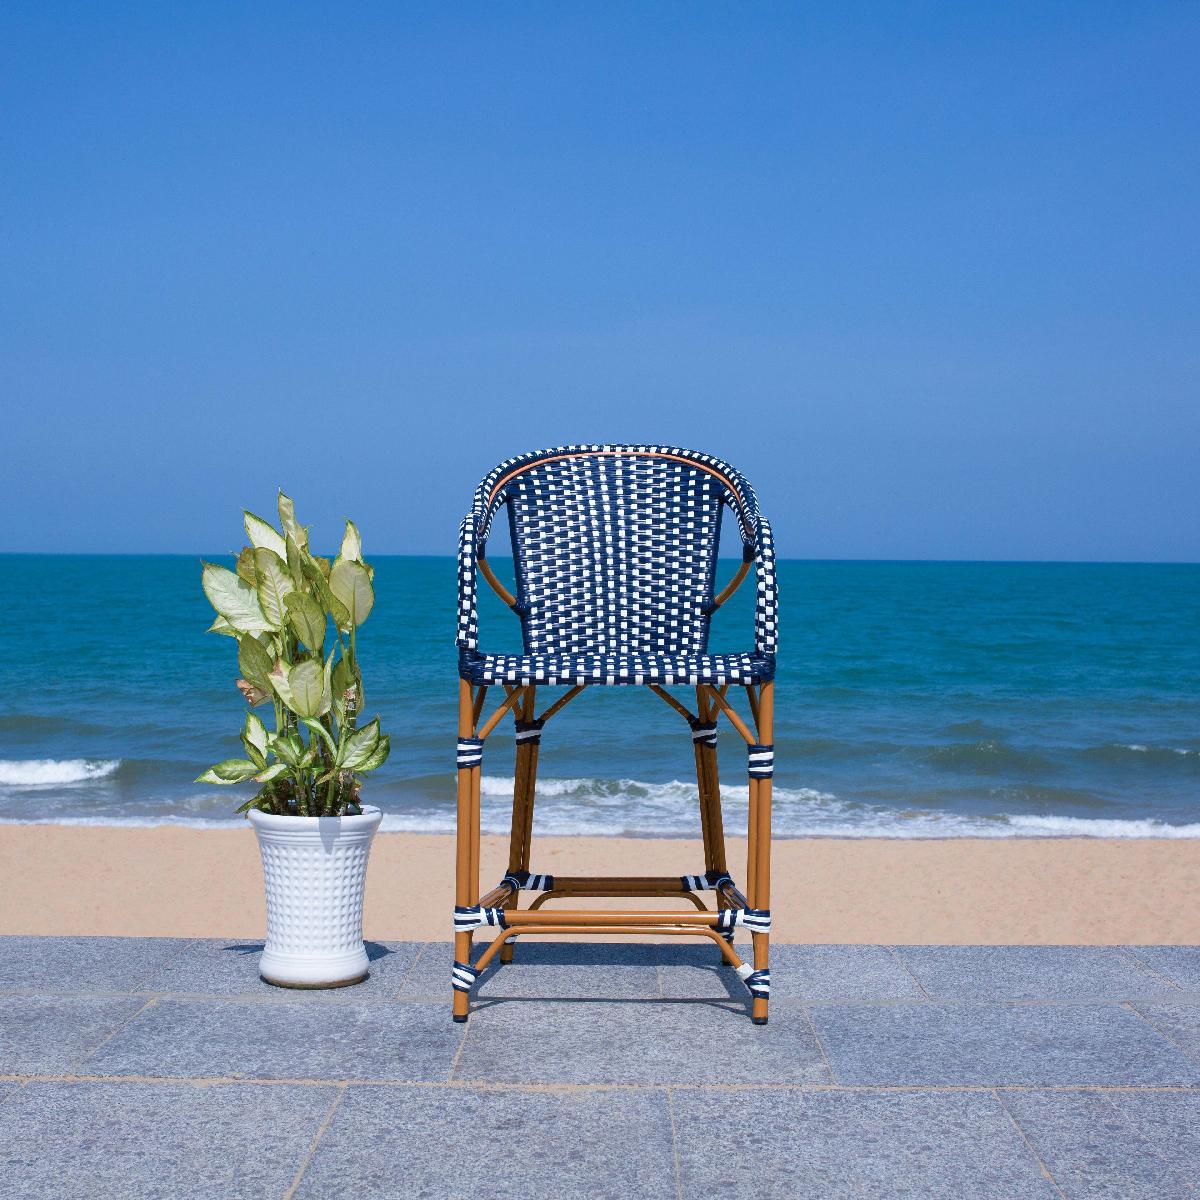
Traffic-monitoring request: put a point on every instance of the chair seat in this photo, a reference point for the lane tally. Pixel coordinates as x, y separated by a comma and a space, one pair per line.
615, 669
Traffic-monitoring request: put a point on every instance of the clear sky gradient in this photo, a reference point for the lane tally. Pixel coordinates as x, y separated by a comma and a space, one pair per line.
928, 273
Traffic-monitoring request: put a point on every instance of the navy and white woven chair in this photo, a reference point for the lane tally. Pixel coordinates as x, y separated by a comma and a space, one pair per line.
615, 555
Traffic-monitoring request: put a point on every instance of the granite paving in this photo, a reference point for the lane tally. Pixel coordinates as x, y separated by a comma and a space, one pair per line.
1178, 964
392, 1141
1180, 1023
1123, 1145
165, 1067
1033, 973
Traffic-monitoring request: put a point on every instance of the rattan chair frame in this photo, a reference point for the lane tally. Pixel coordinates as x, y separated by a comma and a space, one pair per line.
519, 704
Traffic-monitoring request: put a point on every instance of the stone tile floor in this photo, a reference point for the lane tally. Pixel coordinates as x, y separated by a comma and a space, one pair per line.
138, 1067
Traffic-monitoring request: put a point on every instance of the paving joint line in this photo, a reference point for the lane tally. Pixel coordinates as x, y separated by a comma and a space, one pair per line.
812, 1027
1162, 1033
316, 1141
112, 1033
424, 946
1028, 1144
895, 952
201, 1081
1131, 953
674, 1144
1141, 1138
188, 943
462, 1041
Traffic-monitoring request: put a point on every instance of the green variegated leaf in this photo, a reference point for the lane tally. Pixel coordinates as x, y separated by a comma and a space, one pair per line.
317, 583
307, 685
320, 731
272, 772
245, 566
295, 561
307, 619
274, 584
234, 599
360, 746
327, 683
223, 627
339, 678
278, 679
254, 662
232, 770
262, 534
284, 750
287, 519
379, 757
351, 586
351, 550
254, 733
252, 754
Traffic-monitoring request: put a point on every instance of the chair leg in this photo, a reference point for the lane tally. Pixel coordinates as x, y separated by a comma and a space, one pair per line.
525, 780
760, 846
709, 788
466, 885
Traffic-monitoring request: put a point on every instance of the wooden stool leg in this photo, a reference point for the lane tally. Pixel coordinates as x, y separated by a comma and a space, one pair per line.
709, 786
466, 884
760, 804
525, 779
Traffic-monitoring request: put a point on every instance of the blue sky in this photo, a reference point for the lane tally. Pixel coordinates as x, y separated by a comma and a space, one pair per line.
927, 273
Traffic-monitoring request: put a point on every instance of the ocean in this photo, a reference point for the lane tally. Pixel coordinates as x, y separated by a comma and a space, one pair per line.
913, 700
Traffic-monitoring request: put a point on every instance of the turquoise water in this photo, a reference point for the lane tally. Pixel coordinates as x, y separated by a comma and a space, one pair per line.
914, 699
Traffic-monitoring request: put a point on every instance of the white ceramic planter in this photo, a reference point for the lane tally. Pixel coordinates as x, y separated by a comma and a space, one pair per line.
315, 871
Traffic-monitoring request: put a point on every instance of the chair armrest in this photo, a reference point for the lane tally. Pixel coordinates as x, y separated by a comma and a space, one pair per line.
766, 604
468, 613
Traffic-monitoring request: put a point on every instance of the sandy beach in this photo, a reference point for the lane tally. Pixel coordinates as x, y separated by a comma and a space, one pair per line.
184, 882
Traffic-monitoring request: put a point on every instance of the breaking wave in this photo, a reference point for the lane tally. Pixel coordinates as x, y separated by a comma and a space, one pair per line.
44, 772
627, 807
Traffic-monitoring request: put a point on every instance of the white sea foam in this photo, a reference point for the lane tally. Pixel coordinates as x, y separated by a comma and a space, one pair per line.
115, 822
629, 807
43, 772
1026, 826
1138, 748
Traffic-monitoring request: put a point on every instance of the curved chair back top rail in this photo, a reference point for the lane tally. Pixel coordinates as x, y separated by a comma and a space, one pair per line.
615, 548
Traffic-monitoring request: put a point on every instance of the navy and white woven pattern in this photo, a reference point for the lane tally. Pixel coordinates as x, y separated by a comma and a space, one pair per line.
615, 669
473, 916
766, 604
529, 732
523, 881
463, 976
756, 920
709, 881
470, 753
759, 982
615, 554
761, 761
704, 732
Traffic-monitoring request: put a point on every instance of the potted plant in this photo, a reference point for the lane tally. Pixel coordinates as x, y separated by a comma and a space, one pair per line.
284, 605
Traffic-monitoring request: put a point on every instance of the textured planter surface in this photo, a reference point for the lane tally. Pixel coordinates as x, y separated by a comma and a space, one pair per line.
315, 871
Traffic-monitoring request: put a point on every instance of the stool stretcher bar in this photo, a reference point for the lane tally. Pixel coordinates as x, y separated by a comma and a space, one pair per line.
727, 951
610, 894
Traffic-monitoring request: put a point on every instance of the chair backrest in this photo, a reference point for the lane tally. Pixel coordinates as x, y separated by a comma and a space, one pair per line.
615, 546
